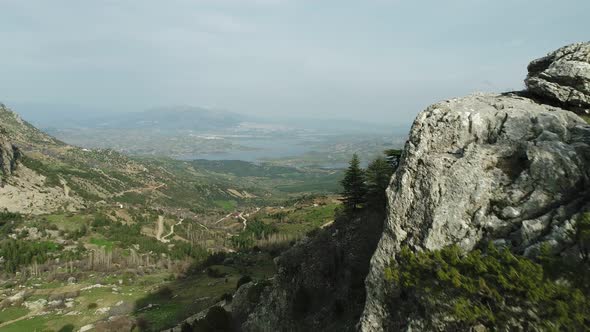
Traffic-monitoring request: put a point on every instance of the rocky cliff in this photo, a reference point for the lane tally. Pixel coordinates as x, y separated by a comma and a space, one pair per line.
9, 157
490, 167
511, 169
320, 281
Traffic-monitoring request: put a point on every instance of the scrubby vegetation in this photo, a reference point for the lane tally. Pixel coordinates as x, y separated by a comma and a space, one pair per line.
492, 288
17, 253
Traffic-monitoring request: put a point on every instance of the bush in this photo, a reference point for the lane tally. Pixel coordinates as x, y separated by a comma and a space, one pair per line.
9, 216
488, 288
215, 273
67, 328
92, 306
165, 292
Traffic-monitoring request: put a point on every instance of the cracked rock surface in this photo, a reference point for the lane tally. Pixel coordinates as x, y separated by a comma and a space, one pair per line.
563, 77
484, 167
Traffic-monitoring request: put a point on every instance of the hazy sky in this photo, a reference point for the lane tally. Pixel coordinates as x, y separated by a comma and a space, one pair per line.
363, 59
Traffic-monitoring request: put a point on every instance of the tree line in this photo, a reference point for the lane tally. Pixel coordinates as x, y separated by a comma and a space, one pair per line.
365, 188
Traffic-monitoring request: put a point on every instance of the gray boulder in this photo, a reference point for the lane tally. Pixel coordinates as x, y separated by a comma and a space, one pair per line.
563, 77
482, 168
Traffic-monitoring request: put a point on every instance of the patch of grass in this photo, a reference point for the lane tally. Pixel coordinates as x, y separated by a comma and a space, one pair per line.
227, 205
68, 222
199, 291
307, 219
37, 323
102, 243
12, 313
132, 198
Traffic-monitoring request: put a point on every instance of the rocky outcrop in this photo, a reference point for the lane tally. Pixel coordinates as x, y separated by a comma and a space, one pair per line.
512, 169
490, 167
563, 77
320, 282
480, 168
9, 157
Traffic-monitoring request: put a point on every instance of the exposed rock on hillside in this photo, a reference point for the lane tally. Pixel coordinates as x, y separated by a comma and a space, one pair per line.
320, 282
22, 189
563, 77
9, 157
488, 167
479, 168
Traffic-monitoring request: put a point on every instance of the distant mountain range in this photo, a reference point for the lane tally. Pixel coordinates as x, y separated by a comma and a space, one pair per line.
164, 118
173, 118
193, 118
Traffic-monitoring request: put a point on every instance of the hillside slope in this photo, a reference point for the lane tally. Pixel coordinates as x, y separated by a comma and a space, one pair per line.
52, 175
22, 189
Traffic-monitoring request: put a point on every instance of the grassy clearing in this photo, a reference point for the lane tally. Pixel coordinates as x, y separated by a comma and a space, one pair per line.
301, 221
227, 205
68, 222
12, 313
37, 323
182, 298
102, 243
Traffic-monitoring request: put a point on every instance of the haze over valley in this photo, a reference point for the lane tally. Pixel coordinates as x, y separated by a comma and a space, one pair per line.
188, 133
294, 166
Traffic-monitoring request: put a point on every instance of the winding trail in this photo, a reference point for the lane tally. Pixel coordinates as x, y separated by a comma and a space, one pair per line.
205, 227
244, 220
140, 190
164, 238
222, 219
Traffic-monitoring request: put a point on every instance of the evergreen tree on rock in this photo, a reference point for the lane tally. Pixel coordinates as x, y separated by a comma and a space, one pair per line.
355, 189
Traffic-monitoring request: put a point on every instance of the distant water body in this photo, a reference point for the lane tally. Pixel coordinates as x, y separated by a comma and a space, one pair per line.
259, 149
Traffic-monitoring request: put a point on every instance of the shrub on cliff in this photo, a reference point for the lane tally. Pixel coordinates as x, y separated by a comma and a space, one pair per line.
494, 288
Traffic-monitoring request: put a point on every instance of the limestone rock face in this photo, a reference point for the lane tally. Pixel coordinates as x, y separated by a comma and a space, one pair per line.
9, 156
563, 76
484, 167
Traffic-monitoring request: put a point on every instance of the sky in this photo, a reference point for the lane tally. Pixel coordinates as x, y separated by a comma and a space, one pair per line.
371, 60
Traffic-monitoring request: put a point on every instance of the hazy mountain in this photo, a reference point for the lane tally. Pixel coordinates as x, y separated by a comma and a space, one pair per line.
56, 116
173, 118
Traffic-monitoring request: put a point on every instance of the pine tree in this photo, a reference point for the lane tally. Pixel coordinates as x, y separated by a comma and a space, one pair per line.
355, 189
378, 176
